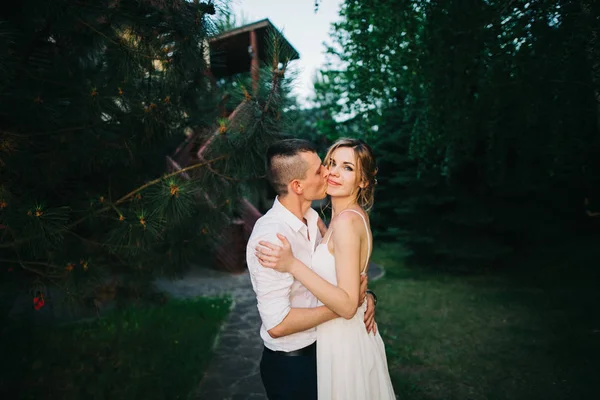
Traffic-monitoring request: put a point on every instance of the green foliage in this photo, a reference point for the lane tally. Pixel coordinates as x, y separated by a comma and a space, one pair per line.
151, 352
484, 117
95, 96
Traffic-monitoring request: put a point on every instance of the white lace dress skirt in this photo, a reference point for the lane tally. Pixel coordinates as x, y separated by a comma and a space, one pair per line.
351, 363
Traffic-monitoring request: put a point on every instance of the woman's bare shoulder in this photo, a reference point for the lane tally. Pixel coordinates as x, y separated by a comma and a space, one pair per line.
349, 223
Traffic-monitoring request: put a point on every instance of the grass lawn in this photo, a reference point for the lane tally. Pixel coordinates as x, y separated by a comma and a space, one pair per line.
521, 335
150, 352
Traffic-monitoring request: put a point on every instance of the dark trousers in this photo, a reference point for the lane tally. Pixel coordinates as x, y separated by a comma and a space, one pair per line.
289, 377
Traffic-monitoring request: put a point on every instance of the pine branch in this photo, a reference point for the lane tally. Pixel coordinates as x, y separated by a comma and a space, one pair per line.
62, 130
97, 243
121, 200
154, 182
277, 75
222, 176
117, 43
24, 264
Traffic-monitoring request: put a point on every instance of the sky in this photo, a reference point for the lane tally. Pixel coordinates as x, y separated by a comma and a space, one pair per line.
303, 28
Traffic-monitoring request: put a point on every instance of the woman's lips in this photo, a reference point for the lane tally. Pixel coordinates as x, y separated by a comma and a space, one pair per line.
330, 182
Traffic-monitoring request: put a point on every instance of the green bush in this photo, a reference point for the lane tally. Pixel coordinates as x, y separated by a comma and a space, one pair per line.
139, 352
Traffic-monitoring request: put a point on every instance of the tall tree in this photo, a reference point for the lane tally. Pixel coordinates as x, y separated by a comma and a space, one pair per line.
94, 96
483, 114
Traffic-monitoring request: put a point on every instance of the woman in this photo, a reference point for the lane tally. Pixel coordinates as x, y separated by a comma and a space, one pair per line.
351, 363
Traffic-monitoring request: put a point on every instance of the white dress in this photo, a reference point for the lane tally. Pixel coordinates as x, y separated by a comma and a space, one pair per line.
351, 363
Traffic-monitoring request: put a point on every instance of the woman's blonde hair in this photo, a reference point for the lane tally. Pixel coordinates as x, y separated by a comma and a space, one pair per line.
366, 169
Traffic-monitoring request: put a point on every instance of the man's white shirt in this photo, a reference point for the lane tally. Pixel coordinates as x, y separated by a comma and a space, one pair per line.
277, 292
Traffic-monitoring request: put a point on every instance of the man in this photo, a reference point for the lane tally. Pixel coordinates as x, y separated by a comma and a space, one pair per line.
288, 311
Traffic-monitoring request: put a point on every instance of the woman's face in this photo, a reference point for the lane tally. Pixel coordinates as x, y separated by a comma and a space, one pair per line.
343, 173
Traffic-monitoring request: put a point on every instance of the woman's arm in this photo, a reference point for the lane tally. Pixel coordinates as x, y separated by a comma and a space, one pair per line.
341, 299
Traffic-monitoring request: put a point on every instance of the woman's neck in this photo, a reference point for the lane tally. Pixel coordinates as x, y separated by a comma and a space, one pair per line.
339, 204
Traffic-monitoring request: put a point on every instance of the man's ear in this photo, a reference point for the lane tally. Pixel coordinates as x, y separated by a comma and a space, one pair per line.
296, 187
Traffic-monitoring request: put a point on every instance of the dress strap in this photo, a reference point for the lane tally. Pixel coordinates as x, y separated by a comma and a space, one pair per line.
368, 237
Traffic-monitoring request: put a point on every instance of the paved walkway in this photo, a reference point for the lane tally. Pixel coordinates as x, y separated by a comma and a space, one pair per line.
233, 373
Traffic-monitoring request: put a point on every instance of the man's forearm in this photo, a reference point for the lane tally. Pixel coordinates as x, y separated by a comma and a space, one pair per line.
301, 319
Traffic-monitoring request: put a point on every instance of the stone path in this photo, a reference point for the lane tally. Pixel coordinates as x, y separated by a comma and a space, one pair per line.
234, 371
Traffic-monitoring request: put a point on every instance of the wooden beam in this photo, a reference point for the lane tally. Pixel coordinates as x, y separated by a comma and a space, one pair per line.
255, 64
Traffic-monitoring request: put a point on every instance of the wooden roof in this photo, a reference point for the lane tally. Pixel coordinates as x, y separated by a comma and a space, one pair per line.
230, 53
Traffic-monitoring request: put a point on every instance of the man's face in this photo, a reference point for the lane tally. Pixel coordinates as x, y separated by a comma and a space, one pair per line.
314, 183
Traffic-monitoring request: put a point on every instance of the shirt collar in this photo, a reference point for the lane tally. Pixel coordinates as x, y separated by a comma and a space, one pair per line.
293, 221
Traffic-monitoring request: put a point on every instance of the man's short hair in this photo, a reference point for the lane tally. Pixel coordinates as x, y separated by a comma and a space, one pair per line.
284, 163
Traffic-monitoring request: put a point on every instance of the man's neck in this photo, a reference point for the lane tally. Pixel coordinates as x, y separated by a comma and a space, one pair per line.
296, 205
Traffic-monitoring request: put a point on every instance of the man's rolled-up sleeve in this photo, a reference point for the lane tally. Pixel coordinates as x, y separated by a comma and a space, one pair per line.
272, 288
